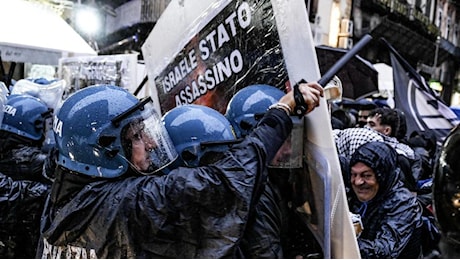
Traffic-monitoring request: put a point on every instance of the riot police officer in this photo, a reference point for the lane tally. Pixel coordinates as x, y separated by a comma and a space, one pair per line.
23, 188
112, 197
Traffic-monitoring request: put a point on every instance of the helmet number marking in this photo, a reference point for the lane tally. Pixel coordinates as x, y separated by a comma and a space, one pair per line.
57, 126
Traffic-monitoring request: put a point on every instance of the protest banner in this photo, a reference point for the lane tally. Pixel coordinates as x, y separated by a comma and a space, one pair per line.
203, 52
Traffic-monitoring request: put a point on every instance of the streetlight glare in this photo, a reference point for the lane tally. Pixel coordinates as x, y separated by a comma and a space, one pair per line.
88, 20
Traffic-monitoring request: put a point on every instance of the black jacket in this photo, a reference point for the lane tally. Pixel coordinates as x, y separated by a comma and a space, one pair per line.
189, 213
23, 191
23, 163
21, 205
262, 237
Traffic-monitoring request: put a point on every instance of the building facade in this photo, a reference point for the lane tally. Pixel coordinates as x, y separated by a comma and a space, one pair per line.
425, 32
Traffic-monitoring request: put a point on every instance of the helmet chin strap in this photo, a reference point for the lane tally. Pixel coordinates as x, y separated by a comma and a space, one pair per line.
152, 169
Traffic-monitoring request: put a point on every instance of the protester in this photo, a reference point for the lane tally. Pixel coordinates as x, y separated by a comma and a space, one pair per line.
342, 119
390, 213
102, 204
349, 139
424, 144
365, 106
400, 130
381, 102
391, 124
446, 190
23, 188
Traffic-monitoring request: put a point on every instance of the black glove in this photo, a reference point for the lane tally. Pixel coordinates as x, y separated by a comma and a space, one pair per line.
300, 106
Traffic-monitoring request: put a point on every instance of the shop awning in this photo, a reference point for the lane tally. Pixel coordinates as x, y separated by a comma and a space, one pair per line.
32, 33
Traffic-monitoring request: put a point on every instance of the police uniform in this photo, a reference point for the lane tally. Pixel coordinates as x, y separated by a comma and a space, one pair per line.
188, 213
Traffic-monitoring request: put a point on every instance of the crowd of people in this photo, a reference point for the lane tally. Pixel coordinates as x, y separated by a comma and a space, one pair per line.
365, 121
123, 181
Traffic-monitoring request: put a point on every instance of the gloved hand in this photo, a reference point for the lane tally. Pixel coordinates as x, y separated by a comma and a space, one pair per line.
304, 98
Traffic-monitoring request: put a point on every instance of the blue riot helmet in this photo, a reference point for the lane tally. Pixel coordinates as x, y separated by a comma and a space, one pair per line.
196, 131
446, 187
49, 92
248, 105
103, 130
25, 116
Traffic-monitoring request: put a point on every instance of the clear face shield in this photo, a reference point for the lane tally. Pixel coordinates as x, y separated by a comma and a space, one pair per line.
50, 94
3, 99
146, 143
290, 154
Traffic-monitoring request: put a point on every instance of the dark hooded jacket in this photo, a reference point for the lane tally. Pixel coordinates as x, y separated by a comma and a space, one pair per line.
21, 205
189, 213
21, 158
262, 238
23, 191
392, 219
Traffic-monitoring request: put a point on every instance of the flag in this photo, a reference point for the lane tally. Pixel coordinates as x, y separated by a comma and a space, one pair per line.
423, 108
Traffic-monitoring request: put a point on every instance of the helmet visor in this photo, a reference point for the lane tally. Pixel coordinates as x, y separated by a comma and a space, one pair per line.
290, 154
3, 100
146, 143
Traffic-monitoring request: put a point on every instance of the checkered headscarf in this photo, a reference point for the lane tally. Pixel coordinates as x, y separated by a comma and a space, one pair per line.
349, 139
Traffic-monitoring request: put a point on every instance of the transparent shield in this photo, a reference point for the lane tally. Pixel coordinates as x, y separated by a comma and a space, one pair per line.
3, 94
49, 141
148, 147
290, 154
50, 94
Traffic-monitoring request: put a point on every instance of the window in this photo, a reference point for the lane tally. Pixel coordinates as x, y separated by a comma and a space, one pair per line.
456, 34
439, 18
448, 28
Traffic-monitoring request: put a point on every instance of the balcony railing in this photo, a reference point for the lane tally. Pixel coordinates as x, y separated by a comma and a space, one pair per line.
406, 11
